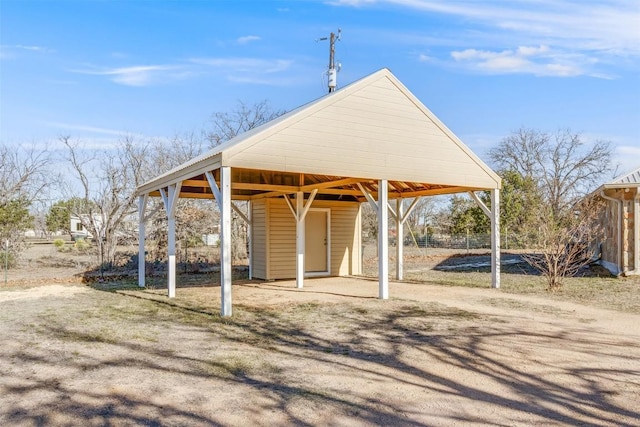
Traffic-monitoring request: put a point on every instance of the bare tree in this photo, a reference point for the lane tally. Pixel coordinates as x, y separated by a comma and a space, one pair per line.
562, 165
227, 125
24, 177
170, 153
567, 244
108, 179
24, 173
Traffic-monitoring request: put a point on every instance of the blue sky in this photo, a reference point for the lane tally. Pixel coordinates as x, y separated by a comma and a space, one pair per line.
96, 70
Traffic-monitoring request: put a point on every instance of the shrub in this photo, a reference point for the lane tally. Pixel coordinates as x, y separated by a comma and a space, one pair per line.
58, 243
82, 245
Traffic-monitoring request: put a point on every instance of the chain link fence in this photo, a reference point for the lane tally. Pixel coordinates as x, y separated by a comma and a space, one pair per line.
466, 241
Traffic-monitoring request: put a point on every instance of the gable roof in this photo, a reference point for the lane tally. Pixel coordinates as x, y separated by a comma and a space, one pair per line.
374, 128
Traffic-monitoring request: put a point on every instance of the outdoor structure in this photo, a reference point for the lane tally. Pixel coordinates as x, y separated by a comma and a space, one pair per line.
306, 174
620, 248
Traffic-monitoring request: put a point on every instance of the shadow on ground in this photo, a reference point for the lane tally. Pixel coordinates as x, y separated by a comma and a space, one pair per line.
275, 360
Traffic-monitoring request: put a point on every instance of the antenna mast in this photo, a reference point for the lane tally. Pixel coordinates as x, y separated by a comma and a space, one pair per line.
332, 73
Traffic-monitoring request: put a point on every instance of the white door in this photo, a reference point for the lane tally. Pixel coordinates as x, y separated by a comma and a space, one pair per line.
316, 250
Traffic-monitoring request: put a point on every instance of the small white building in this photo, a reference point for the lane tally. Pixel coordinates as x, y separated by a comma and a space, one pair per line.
78, 230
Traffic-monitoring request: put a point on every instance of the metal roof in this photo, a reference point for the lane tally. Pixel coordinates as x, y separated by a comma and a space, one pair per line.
631, 179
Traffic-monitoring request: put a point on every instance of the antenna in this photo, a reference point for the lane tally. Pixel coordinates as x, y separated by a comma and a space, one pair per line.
332, 72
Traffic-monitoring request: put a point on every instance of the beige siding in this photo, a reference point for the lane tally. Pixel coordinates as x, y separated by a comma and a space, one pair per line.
345, 259
259, 239
282, 240
379, 125
278, 259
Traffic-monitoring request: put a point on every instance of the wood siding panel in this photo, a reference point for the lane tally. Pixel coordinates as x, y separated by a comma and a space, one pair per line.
259, 239
282, 240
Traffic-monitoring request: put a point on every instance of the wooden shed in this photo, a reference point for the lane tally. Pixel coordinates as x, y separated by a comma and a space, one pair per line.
620, 247
332, 239
306, 174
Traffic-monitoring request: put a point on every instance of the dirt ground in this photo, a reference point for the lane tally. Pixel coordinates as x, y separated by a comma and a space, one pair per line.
328, 354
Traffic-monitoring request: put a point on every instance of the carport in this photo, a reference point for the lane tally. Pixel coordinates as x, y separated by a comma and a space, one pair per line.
372, 141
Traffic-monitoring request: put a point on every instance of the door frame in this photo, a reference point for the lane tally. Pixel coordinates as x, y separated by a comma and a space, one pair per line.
327, 272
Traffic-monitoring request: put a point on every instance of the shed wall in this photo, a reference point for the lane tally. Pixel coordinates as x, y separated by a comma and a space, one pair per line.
259, 238
612, 248
274, 255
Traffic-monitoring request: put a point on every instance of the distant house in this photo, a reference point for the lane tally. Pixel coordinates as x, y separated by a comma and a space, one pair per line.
78, 230
620, 218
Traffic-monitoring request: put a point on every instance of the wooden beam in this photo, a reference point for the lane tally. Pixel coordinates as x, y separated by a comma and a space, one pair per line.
330, 184
412, 206
369, 197
434, 192
213, 185
196, 182
293, 210
264, 187
480, 203
240, 213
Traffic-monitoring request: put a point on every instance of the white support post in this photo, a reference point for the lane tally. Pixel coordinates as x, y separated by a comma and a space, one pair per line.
142, 206
399, 238
494, 216
250, 239
636, 232
299, 214
225, 241
495, 238
171, 270
171, 244
383, 240
300, 240
170, 200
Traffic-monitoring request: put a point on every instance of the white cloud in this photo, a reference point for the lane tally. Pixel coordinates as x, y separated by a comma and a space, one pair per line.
540, 60
247, 39
531, 51
11, 51
140, 75
248, 70
32, 48
87, 129
598, 33
355, 3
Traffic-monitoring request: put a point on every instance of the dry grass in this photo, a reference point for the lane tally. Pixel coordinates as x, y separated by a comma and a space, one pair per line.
596, 287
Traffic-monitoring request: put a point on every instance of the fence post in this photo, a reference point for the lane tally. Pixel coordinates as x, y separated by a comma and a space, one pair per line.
467, 241
6, 261
506, 237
